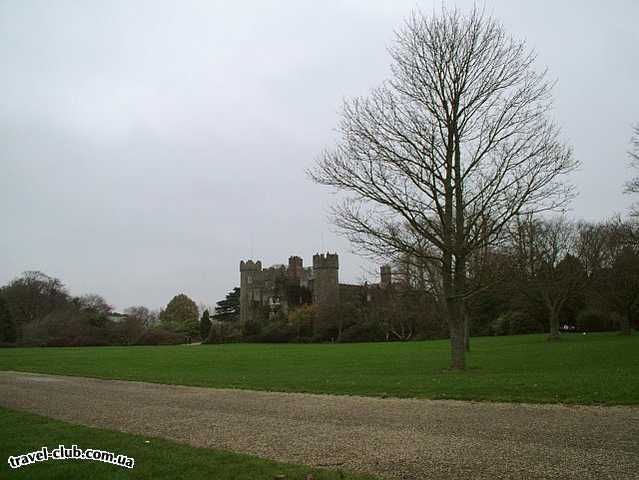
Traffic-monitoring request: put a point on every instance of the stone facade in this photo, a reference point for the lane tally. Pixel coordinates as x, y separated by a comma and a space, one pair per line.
267, 291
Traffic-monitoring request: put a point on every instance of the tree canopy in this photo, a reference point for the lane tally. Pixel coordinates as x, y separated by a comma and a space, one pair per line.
181, 315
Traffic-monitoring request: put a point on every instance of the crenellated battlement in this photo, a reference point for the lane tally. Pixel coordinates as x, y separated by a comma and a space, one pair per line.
295, 269
275, 269
278, 284
250, 266
327, 260
270, 292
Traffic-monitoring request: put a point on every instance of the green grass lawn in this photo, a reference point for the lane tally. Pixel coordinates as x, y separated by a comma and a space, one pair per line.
158, 459
582, 369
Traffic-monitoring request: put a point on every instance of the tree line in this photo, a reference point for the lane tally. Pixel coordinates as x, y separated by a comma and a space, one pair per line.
38, 310
549, 275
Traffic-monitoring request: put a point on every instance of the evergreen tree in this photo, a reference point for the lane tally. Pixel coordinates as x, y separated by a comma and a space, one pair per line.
205, 325
228, 310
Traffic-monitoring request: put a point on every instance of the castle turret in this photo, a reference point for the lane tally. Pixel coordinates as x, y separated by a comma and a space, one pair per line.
325, 278
295, 270
248, 272
385, 276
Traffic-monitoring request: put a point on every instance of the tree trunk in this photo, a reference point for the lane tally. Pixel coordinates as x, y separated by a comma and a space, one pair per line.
455, 316
457, 344
466, 331
625, 325
456, 324
453, 287
554, 324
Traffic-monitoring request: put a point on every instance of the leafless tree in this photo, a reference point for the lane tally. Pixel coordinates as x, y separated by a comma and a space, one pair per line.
592, 246
449, 150
146, 317
632, 186
616, 282
94, 303
546, 269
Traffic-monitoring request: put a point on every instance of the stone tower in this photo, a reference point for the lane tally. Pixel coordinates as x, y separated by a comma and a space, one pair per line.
295, 270
386, 277
325, 278
249, 270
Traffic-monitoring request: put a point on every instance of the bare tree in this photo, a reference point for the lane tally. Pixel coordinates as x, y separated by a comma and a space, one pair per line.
632, 186
592, 246
449, 150
623, 287
546, 269
616, 282
146, 317
94, 303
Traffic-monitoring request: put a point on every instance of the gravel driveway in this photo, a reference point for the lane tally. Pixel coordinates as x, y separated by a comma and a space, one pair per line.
394, 438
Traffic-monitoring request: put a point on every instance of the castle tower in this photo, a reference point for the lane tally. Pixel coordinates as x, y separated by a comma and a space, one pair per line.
325, 278
295, 270
385, 276
248, 272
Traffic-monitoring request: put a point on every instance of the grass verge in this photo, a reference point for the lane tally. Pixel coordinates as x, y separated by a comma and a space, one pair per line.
159, 459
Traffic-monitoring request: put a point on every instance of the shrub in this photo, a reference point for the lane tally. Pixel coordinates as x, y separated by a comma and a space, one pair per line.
160, 336
277, 331
215, 333
592, 320
515, 323
70, 327
77, 341
364, 331
303, 320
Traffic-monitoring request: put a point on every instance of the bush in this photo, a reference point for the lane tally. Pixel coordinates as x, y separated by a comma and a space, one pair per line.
215, 334
70, 327
277, 331
303, 319
364, 331
129, 330
591, 320
77, 341
515, 323
160, 336
251, 328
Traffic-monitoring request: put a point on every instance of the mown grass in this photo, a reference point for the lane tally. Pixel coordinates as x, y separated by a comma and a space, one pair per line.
579, 369
158, 459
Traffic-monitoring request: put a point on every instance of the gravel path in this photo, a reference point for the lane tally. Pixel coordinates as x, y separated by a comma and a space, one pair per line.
396, 439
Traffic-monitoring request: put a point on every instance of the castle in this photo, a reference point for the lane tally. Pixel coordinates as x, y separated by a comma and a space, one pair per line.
276, 289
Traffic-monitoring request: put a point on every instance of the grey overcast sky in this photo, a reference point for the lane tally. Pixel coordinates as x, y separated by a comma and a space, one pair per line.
147, 147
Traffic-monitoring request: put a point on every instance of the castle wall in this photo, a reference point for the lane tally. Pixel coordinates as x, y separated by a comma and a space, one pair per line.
278, 288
